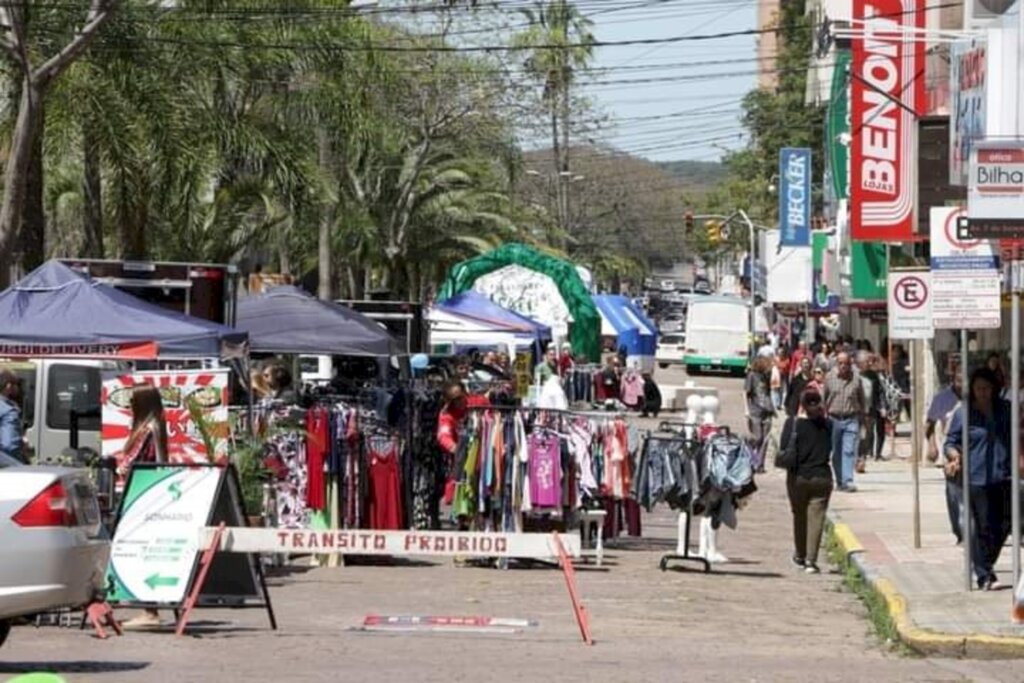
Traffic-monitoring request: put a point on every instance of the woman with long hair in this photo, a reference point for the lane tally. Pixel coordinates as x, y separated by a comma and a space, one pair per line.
147, 442
809, 480
988, 445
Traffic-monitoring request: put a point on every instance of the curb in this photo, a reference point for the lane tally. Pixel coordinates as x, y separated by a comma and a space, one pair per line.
921, 640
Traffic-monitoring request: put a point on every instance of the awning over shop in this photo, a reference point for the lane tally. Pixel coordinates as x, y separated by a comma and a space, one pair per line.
288, 320
621, 318
55, 311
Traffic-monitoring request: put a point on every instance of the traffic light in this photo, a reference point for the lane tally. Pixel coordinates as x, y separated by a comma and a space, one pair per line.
714, 229
688, 221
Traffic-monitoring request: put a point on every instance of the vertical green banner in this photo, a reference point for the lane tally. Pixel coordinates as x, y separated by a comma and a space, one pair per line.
838, 124
870, 271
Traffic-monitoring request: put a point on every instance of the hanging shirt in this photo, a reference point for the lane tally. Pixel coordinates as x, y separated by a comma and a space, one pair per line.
545, 470
632, 389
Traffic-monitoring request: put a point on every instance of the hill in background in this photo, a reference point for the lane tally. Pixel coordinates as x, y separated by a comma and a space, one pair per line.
698, 177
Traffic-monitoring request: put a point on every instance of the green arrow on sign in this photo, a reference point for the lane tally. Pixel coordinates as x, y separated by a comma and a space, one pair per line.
157, 580
175, 490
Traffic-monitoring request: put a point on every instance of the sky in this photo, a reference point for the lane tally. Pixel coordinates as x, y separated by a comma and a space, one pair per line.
715, 91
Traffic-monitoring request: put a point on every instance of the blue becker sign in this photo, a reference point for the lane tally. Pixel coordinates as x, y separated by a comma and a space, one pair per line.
795, 197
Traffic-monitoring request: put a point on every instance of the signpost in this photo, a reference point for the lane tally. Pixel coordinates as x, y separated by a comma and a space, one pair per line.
965, 275
909, 304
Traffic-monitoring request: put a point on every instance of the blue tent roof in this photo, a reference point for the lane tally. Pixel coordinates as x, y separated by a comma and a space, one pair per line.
635, 331
55, 310
476, 306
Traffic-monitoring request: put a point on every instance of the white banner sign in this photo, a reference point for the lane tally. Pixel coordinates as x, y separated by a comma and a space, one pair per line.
950, 252
394, 543
996, 188
910, 304
965, 299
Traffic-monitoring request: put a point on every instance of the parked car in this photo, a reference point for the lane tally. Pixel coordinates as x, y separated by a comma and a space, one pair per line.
55, 548
667, 285
671, 348
702, 287
671, 323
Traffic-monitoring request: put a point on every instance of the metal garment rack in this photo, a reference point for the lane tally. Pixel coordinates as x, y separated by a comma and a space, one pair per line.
677, 432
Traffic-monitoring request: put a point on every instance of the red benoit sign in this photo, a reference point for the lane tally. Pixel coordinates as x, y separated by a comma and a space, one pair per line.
887, 67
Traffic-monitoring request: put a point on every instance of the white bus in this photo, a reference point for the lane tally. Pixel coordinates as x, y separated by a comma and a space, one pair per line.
717, 335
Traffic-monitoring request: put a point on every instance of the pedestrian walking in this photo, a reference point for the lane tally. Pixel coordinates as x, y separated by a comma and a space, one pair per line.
940, 414
989, 476
846, 405
11, 433
801, 382
760, 409
809, 479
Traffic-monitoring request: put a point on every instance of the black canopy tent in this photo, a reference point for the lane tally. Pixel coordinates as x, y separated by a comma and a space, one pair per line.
288, 320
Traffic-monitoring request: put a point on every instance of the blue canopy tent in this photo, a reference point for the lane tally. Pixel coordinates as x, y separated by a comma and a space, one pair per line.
477, 308
633, 331
56, 311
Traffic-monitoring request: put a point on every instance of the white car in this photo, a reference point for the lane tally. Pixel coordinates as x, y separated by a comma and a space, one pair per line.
667, 285
671, 348
671, 323
55, 551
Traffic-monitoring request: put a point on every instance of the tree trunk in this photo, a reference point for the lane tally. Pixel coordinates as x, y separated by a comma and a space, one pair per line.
132, 215
32, 235
16, 173
556, 150
326, 221
92, 190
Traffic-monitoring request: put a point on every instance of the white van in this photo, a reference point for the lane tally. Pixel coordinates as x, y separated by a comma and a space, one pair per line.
52, 388
717, 335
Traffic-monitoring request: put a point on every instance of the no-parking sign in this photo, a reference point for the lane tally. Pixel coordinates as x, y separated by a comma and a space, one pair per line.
910, 304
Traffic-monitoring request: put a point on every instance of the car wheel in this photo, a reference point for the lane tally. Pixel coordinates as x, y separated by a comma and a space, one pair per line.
662, 365
5, 630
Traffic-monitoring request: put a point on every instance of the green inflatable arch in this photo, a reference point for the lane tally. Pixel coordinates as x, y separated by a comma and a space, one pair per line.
586, 329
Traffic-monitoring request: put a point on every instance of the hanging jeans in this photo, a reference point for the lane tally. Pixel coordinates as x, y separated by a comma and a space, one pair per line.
845, 440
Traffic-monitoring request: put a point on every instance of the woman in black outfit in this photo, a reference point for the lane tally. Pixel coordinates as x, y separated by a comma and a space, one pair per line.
809, 482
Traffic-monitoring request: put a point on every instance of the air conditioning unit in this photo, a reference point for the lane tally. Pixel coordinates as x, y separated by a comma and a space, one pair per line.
982, 13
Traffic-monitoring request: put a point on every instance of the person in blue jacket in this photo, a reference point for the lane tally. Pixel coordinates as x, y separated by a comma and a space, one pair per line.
989, 465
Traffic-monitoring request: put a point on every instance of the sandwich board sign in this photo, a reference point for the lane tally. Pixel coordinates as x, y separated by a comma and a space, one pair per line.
155, 551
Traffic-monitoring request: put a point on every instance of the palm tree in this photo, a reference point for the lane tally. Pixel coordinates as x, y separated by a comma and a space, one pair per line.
564, 45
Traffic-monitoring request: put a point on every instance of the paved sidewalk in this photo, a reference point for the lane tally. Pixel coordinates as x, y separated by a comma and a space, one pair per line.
924, 587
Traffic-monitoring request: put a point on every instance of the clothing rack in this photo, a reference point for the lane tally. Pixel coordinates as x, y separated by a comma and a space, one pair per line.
685, 541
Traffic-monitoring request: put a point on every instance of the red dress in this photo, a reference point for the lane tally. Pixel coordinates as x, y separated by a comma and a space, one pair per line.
385, 499
317, 448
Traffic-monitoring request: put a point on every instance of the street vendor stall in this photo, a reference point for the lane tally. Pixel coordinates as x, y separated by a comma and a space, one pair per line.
629, 328
56, 312
66, 335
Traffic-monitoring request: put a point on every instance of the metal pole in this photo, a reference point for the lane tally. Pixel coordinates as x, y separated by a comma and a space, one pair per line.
965, 407
753, 300
1015, 422
917, 425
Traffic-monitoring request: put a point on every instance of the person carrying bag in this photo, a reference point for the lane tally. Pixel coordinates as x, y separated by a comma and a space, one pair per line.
807, 458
